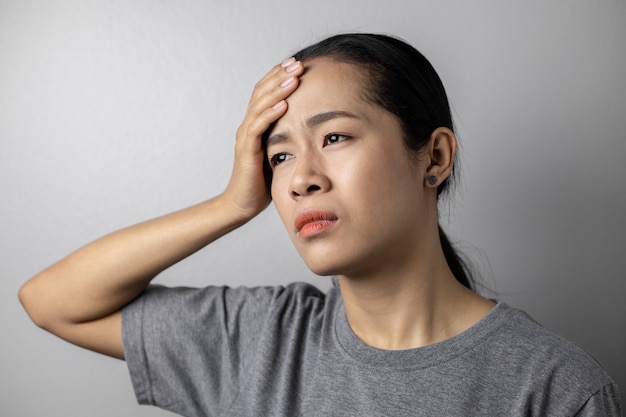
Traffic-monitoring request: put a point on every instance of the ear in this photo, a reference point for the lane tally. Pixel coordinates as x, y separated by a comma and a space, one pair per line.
440, 153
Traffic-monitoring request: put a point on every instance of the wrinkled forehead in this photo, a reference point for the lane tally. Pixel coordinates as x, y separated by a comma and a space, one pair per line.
325, 86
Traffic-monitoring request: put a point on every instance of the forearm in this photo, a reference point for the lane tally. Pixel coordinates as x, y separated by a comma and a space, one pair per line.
80, 297
103, 276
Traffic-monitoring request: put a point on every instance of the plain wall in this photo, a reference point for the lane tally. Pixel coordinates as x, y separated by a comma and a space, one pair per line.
113, 112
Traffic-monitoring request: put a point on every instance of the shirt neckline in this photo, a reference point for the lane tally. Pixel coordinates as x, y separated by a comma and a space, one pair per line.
422, 357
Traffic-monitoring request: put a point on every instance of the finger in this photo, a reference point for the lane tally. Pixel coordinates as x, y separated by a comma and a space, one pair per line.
278, 86
249, 134
277, 68
265, 119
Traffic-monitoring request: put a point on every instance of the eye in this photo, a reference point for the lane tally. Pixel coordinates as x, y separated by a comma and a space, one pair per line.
279, 158
332, 138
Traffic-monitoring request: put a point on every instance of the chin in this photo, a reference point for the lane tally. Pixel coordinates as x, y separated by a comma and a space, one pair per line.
321, 269
323, 266
324, 259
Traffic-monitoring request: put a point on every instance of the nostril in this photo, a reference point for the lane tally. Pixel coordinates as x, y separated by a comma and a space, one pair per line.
313, 187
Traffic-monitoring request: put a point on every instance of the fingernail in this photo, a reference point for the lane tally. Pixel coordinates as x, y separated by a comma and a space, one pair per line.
292, 67
278, 105
288, 62
287, 82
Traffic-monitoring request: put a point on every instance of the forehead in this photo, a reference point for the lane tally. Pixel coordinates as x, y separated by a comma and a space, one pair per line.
326, 85
331, 71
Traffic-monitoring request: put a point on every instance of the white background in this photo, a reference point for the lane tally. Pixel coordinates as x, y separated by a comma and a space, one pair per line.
112, 112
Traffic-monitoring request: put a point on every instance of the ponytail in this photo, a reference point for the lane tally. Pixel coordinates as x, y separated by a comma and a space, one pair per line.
457, 265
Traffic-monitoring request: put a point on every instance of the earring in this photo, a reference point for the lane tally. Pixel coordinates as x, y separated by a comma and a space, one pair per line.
431, 179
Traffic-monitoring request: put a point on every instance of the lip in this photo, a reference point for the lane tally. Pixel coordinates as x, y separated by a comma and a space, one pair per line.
312, 222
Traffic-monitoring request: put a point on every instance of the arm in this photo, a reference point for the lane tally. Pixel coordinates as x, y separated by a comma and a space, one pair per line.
80, 297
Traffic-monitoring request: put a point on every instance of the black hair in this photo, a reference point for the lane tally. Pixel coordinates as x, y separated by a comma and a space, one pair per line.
402, 81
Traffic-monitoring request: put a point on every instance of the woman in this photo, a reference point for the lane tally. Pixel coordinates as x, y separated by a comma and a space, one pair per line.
354, 137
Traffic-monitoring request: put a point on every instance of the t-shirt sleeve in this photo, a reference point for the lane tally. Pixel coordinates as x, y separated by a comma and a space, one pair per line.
604, 403
187, 348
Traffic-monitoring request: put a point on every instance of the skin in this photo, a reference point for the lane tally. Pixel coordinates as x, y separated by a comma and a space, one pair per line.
80, 297
397, 289
363, 175
341, 154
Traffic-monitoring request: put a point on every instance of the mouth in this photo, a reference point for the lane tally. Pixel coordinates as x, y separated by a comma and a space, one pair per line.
311, 223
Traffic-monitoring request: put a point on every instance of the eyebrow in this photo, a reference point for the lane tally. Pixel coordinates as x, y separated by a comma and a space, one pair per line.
312, 121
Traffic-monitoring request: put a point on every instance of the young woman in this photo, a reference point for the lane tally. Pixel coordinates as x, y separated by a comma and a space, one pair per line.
352, 140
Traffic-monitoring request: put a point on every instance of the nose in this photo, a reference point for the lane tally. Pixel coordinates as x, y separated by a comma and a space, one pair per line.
309, 177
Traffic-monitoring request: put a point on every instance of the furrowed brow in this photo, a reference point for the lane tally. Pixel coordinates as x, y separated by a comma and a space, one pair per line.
326, 116
276, 139
311, 122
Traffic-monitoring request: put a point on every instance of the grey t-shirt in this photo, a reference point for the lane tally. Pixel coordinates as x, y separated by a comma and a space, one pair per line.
289, 351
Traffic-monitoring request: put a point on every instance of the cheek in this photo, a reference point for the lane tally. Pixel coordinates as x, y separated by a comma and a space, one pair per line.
280, 196
392, 184
380, 170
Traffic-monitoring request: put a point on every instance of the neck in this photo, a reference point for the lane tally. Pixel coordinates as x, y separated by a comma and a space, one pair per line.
409, 306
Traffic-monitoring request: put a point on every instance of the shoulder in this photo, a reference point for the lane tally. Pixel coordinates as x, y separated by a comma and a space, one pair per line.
186, 301
302, 304
531, 341
541, 359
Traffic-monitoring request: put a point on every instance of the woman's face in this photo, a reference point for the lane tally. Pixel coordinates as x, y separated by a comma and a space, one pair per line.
350, 195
